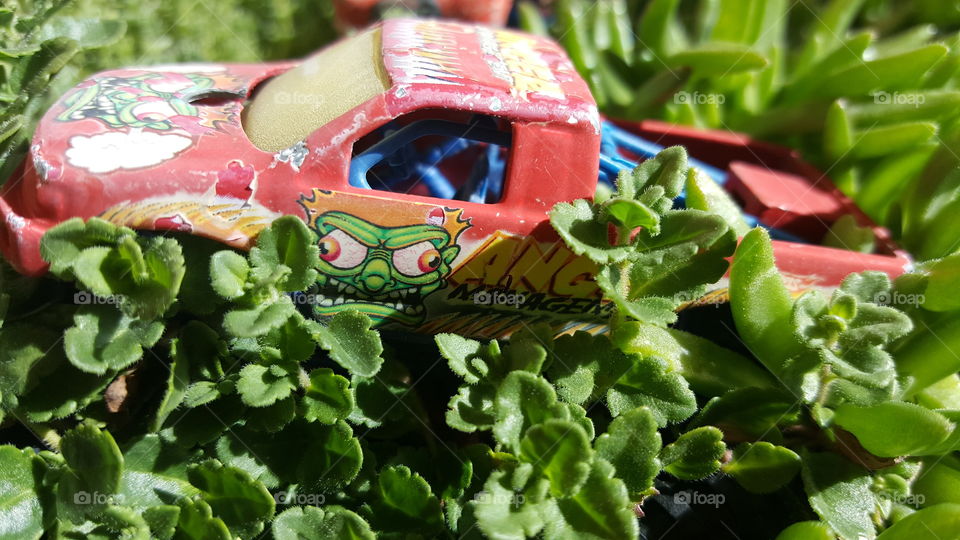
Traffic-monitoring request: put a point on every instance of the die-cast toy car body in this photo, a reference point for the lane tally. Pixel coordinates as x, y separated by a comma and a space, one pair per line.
425, 155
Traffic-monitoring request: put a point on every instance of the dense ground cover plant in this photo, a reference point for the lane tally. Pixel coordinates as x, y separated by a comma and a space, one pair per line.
175, 390
167, 387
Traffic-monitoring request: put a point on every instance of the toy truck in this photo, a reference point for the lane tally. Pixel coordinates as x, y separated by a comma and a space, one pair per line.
425, 156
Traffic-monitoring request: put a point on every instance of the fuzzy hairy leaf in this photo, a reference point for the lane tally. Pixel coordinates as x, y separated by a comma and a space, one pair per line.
243, 503
20, 507
404, 502
694, 455
312, 523
631, 444
839, 493
103, 339
524, 400
762, 467
288, 241
559, 450
650, 383
601, 509
905, 429
351, 343
328, 398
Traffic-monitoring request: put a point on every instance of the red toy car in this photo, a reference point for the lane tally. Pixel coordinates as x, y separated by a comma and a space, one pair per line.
424, 154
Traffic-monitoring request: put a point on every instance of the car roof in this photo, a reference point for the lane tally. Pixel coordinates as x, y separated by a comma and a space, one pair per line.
434, 63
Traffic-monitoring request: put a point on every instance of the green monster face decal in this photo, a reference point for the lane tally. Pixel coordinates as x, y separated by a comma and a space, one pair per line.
153, 101
384, 272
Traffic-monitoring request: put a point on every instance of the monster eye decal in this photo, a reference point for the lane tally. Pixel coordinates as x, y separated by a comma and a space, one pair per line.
153, 111
416, 260
340, 250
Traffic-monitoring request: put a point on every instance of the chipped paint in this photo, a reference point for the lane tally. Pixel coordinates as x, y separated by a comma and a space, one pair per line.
294, 156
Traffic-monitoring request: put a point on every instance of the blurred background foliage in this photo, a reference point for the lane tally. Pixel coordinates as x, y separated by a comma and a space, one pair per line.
865, 89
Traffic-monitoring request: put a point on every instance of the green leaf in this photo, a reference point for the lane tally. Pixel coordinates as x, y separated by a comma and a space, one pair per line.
403, 502
511, 504
705, 194
762, 467
243, 503
658, 26
200, 393
89, 33
559, 450
905, 429
351, 343
581, 228
289, 242
631, 444
328, 398
177, 382
472, 408
942, 280
22, 349
710, 369
807, 530
601, 509
61, 245
694, 455
259, 320
103, 339
888, 73
750, 413
228, 273
317, 457
524, 400
312, 523
142, 274
630, 213
846, 234
162, 520
586, 366
717, 59
670, 268
93, 457
939, 521
667, 170
260, 385
294, 339
839, 493
155, 473
20, 508
198, 523
649, 382
461, 353
760, 302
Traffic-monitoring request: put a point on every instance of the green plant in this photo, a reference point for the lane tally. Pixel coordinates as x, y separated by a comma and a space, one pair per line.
867, 89
314, 427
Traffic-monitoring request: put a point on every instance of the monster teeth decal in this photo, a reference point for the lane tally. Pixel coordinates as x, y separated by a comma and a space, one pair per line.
402, 303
